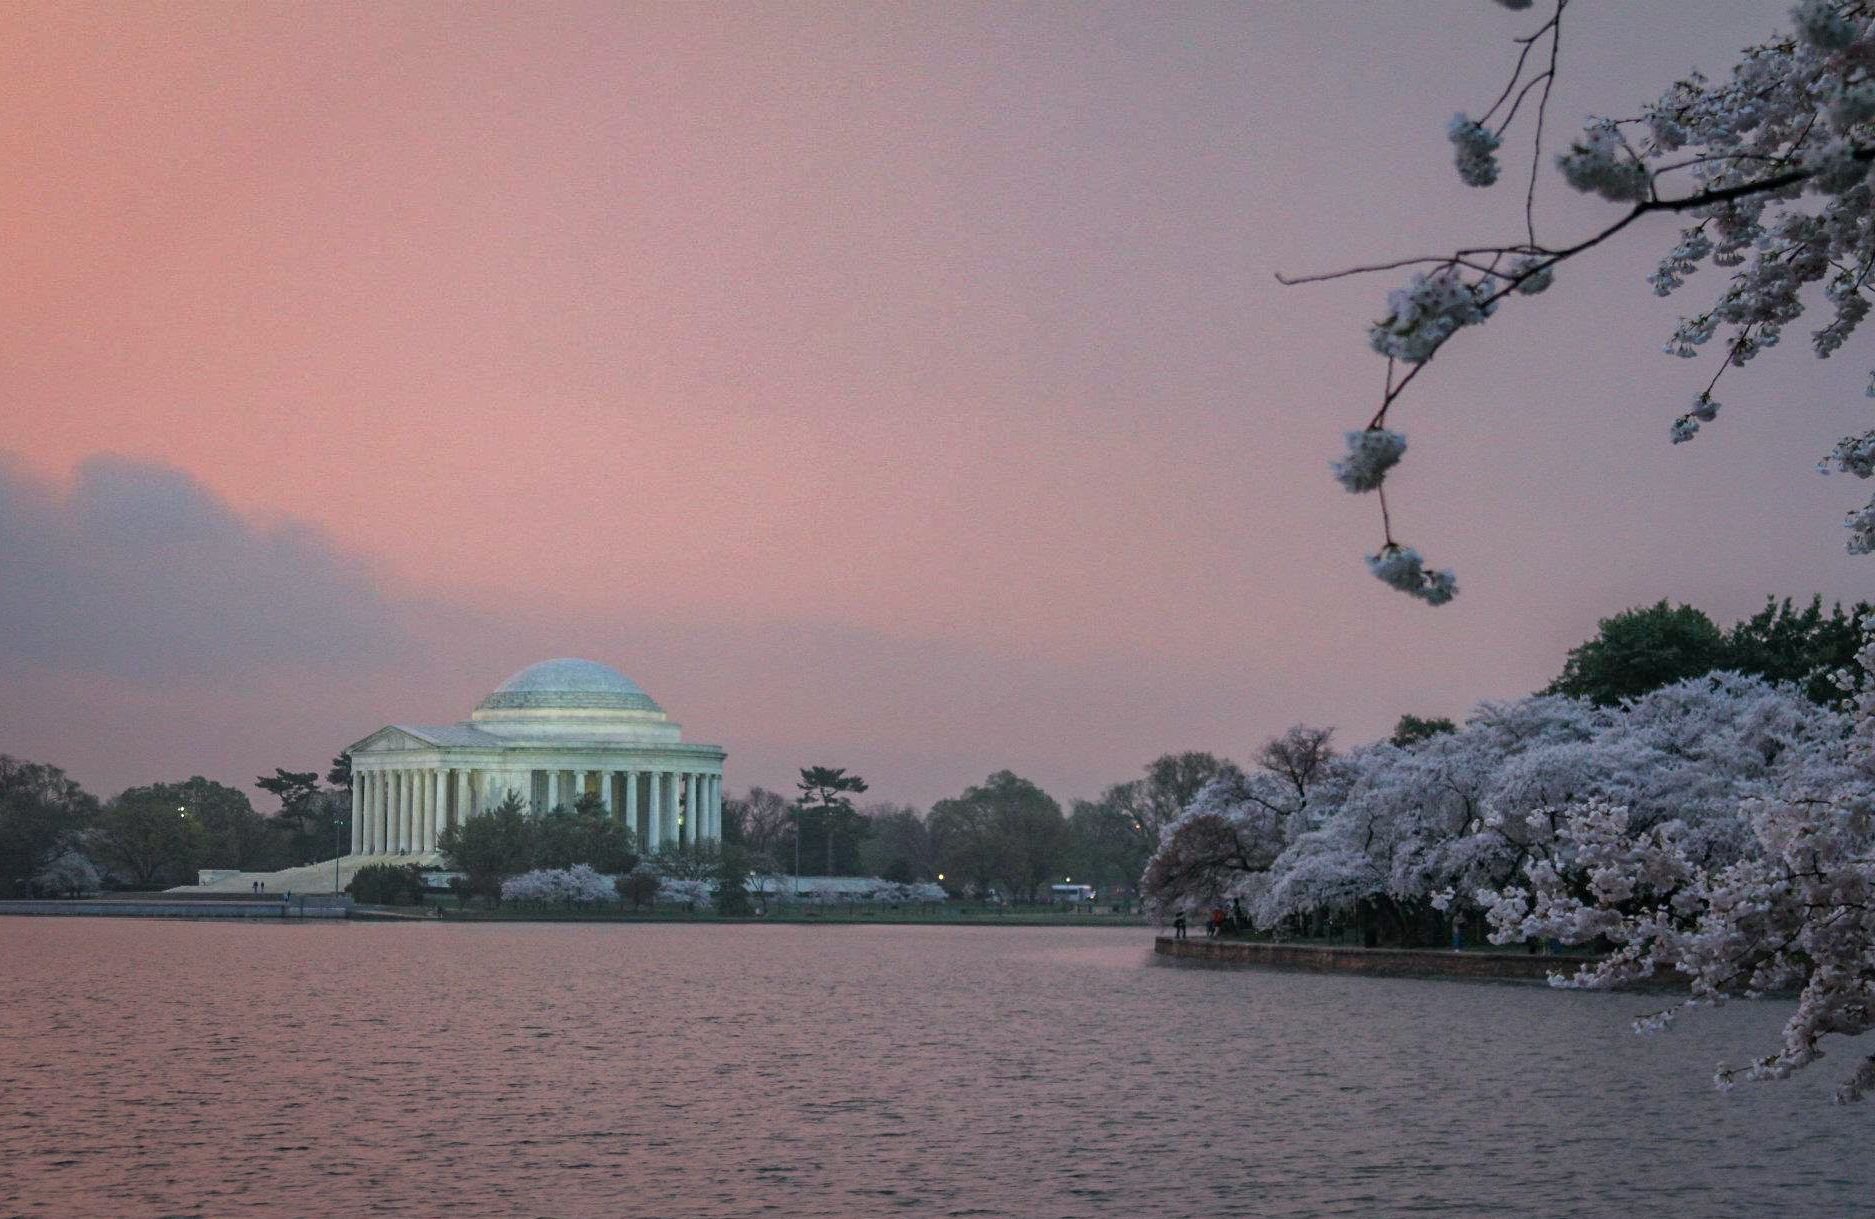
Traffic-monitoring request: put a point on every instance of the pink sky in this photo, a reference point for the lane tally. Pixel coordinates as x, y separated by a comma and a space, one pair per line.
903, 388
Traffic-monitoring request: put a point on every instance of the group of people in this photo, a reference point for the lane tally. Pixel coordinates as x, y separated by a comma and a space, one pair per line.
1222, 919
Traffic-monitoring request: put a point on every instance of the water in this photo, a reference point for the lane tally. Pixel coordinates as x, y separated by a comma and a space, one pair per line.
153, 1068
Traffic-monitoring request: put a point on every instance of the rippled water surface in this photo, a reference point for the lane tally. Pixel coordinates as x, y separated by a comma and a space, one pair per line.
152, 1068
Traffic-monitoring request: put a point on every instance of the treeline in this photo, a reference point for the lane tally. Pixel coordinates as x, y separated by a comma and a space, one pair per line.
1004, 836
56, 838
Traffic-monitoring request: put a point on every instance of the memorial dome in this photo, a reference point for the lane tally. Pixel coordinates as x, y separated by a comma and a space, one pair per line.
570, 683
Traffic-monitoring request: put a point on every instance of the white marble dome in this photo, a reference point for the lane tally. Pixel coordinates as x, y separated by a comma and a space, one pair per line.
571, 683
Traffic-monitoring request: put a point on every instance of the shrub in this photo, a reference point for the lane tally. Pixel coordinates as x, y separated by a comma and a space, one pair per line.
639, 886
388, 884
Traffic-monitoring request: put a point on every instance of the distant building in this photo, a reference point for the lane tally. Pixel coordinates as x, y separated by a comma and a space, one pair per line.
552, 732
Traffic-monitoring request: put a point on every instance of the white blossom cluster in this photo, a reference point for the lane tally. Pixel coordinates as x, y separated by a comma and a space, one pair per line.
1474, 150
70, 872
1856, 455
1696, 827
1704, 410
1861, 526
1533, 274
1426, 312
577, 885
1401, 567
686, 892
1371, 453
1599, 162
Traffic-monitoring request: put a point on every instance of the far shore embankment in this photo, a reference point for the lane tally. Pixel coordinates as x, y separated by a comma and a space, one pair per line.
1473, 964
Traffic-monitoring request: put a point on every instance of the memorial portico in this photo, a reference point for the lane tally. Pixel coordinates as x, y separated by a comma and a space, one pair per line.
552, 733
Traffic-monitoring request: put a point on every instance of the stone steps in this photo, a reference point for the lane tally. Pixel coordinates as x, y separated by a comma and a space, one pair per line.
311, 878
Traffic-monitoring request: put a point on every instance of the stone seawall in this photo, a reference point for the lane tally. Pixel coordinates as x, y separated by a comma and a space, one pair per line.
295, 908
1379, 962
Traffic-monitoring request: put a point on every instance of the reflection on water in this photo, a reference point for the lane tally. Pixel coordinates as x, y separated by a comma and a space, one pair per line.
668, 1070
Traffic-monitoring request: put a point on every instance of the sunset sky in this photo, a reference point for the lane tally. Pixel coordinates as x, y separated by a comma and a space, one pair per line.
904, 388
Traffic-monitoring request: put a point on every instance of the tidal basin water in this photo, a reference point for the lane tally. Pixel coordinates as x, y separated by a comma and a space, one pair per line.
153, 1068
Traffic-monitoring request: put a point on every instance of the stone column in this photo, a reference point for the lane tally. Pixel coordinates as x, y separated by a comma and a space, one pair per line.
419, 808
654, 812
389, 845
553, 790
631, 805
361, 786
361, 779
715, 804
668, 780
439, 804
693, 807
605, 791
355, 824
408, 841
380, 814
400, 836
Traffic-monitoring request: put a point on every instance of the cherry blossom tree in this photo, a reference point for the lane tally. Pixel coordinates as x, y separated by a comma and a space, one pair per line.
1793, 909
577, 885
1399, 839
1769, 170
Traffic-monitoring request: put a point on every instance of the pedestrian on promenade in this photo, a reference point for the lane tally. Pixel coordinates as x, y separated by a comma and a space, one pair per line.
1216, 928
1178, 925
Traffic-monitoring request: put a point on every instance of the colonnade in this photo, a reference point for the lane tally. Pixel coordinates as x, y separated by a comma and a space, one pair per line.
404, 810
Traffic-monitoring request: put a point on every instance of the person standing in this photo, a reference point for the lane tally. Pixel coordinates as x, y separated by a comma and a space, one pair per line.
1178, 925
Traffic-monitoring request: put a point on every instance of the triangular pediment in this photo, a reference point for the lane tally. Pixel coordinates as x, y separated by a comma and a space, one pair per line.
391, 739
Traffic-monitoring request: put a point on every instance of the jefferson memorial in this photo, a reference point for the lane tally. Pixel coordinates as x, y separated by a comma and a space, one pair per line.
553, 732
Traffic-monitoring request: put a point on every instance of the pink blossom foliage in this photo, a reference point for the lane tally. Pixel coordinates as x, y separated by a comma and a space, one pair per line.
1722, 826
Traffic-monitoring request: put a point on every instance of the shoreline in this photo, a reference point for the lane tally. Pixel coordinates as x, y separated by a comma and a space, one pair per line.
326, 908
1474, 965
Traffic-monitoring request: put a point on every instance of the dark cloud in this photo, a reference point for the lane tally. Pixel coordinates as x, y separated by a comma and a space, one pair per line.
139, 572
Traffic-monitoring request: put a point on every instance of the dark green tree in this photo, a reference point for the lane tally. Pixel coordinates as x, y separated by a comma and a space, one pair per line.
585, 833
732, 882
1411, 730
639, 886
1639, 650
388, 884
898, 845
1643, 649
149, 841
825, 822
305, 815
42, 815
491, 847
1807, 646
340, 776
1104, 848
1005, 831
233, 834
